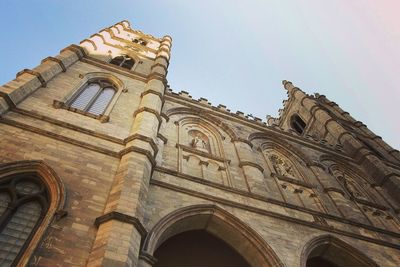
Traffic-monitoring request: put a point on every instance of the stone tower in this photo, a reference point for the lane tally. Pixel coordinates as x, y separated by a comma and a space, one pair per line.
102, 164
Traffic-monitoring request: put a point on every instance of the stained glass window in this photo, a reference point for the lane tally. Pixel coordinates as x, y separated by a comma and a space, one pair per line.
20, 214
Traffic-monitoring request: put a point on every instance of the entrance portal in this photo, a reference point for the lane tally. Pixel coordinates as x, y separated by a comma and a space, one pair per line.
197, 248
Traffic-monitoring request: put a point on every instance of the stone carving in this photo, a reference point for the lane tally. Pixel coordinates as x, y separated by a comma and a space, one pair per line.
282, 167
352, 189
199, 141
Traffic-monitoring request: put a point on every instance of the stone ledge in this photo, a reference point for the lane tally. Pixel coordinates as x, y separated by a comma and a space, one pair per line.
114, 215
147, 258
284, 217
201, 153
251, 164
292, 180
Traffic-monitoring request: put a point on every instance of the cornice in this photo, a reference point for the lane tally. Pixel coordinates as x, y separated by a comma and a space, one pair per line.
57, 60
270, 200
263, 212
113, 68
201, 153
255, 125
59, 137
34, 73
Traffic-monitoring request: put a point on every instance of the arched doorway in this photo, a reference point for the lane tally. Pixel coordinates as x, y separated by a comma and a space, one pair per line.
328, 251
208, 225
197, 248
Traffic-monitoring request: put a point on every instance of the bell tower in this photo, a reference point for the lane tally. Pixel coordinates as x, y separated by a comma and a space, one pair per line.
317, 118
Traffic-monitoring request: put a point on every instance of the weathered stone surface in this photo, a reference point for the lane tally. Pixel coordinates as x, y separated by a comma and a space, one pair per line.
163, 163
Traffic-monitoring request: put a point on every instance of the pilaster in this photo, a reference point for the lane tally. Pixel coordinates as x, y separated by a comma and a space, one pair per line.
128, 194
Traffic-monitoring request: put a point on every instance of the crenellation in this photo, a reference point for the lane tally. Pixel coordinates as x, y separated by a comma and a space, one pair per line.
155, 163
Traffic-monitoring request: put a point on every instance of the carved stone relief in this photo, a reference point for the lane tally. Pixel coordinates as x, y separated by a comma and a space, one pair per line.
199, 141
282, 167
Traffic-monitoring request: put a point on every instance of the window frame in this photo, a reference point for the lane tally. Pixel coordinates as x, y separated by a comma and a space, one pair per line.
104, 84
296, 123
104, 117
125, 58
8, 185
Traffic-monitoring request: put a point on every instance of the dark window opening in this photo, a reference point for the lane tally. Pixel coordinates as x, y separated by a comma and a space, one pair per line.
24, 202
123, 61
298, 124
139, 41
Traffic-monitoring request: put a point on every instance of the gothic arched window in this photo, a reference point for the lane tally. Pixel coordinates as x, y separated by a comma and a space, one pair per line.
123, 61
297, 124
24, 202
94, 97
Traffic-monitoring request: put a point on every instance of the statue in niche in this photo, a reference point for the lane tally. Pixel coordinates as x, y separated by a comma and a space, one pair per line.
352, 189
199, 141
282, 167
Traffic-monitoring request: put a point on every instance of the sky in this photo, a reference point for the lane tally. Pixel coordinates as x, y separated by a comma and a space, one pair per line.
237, 53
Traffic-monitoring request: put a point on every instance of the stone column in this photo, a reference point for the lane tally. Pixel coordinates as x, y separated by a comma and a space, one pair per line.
120, 230
252, 171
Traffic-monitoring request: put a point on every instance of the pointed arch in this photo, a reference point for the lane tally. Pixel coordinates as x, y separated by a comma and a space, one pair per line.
202, 114
336, 251
219, 223
54, 193
94, 96
273, 139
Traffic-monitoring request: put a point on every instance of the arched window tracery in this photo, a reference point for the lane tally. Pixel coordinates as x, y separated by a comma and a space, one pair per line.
297, 124
123, 61
94, 96
24, 202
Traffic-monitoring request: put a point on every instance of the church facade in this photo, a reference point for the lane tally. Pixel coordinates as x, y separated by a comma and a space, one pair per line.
102, 164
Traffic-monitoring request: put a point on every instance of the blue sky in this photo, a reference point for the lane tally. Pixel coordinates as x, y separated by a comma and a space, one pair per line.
237, 53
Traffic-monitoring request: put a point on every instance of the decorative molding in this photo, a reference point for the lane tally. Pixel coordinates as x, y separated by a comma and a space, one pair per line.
116, 69
238, 139
163, 57
34, 73
263, 212
91, 42
8, 100
251, 164
118, 216
67, 125
59, 137
79, 51
162, 138
144, 256
144, 139
371, 204
292, 180
334, 189
165, 116
157, 76
159, 65
57, 60
139, 150
269, 200
201, 153
151, 91
150, 110
267, 130
101, 117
